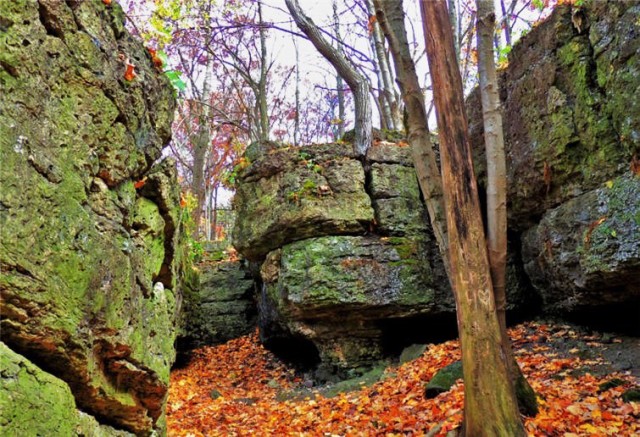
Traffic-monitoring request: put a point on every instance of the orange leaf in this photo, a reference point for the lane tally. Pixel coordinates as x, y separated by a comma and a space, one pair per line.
372, 20
635, 165
154, 58
592, 227
107, 2
546, 175
140, 183
129, 73
183, 201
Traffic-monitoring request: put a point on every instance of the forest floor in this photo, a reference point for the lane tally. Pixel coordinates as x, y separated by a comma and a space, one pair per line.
239, 388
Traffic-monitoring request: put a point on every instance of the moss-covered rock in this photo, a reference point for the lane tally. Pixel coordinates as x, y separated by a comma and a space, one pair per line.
296, 193
88, 272
221, 308
334, 291
34, 402
396, 200
586, 252
570, 123
342, 274
443, 380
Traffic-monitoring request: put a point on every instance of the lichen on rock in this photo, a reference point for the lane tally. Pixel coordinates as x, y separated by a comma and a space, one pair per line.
586, 252
88, 271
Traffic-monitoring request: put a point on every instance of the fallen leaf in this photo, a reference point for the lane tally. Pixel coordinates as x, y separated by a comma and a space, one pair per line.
129, 73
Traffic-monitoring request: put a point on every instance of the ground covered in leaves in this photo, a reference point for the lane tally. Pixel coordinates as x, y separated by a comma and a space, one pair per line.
241, 389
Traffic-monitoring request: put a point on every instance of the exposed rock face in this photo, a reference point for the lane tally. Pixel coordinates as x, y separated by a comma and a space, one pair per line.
340, 281
333, 290
89, 276
586, 252
348, 294
571, 119
34, 402
222, 308
296, 193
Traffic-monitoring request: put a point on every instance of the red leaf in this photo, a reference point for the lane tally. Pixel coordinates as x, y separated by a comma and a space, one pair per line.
155, 59
129, 73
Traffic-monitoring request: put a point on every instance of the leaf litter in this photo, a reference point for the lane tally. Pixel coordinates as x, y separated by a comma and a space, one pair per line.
241, 389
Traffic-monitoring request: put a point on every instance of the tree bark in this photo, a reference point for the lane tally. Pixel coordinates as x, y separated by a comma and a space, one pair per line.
392, 113
490, 400
262, 83
391, 18
358, 84
200, 147
497, 190
339, 84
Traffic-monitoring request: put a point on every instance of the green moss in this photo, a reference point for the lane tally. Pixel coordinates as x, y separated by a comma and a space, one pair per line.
33, 402
406, 248
527, 400
631, 395
612, 383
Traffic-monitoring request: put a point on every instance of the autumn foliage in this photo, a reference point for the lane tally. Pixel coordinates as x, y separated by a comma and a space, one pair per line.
241, 389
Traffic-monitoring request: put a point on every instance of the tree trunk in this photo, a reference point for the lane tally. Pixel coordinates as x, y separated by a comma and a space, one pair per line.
296, 120
339, 83
214, 218
393, 120
358, 84
490, 400
262, 84
497, 190
200, 147
391, 18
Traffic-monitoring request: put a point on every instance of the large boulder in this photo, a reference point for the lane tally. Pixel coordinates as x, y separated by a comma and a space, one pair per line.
221, 308
348, 297
89, 269
34, 402
294, 193
570, 124
335, 290
585, 253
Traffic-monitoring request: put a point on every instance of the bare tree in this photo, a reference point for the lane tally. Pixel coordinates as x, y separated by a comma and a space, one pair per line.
358, 83
490, 398
497, 190
339, 84
391, 18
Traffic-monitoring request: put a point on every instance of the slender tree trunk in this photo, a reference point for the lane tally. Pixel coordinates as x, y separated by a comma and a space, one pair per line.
496, 161
339, 81
262, 84
215, 213
453, 18
358, 84
296, 120
497, 190
200, 147
391, 18
387, 94
490, 400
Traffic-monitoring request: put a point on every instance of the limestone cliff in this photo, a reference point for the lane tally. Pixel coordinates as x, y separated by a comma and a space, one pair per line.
89, 270
349, 266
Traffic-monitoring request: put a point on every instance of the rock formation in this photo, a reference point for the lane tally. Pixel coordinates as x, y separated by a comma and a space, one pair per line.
347, 257
571, 118
221, 307
572, 131
89, 259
